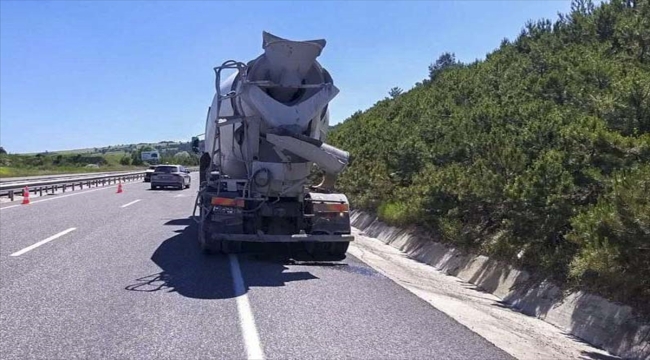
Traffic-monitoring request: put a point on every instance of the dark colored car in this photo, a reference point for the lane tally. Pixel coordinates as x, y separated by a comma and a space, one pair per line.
148, 172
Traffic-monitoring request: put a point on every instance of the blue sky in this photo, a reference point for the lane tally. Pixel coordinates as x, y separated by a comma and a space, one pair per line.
90, 73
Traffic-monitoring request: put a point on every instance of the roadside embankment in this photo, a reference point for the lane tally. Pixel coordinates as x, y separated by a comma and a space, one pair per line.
589, 317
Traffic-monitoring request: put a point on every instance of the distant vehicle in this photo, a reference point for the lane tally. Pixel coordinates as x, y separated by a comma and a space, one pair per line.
148, 172
176, 176
150, 156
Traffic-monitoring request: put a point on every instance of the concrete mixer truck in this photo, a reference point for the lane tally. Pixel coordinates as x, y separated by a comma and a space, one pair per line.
265, 130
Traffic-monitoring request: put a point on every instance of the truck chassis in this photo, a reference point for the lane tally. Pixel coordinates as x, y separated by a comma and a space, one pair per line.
227, 220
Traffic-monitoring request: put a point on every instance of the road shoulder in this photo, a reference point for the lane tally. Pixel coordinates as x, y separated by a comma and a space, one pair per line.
521, 336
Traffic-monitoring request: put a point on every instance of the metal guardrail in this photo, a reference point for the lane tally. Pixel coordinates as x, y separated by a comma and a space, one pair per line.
24, 179
38, 186
53, 186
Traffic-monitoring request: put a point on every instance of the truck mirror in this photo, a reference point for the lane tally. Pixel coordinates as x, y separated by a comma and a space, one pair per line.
195, 144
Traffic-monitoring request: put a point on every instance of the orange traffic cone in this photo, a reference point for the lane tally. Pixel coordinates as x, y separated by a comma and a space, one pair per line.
26, 195
119, 188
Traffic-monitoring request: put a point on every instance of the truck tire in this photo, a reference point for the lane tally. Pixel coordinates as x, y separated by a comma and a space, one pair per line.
205, 247
334, 250
231, 247
338, 248
207, 244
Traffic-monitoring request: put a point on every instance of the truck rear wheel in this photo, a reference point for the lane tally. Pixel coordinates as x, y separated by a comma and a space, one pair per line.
338, 248
206, 242
328, 250
205, 248
203, 243
231, 247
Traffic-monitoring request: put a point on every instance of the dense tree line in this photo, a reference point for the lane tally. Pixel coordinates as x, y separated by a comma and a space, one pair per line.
51, 160
538, 155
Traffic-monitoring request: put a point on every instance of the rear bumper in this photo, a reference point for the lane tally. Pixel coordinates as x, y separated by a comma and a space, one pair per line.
172, 182
282, 238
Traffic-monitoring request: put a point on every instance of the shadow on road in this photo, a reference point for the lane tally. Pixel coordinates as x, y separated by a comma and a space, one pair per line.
590, 355
189, 272
184, 221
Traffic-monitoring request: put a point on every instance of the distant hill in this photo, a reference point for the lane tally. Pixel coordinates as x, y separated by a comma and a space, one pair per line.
164, 147
107, 158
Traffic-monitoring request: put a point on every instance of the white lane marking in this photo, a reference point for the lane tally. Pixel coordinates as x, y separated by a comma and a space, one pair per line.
249, 330
32, 247
62, 196
131, 203
9, 207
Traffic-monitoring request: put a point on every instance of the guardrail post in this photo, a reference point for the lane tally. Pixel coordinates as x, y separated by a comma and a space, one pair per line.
11, 195
40, 191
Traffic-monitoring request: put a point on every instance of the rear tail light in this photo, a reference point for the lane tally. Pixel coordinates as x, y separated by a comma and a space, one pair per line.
219, 201
331, 208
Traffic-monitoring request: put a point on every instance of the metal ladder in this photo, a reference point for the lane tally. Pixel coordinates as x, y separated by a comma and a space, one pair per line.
230, 120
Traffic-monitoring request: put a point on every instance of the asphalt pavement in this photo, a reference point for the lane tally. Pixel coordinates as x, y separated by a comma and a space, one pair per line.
105, 275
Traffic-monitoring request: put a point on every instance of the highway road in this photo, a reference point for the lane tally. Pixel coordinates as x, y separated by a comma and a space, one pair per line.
96, 274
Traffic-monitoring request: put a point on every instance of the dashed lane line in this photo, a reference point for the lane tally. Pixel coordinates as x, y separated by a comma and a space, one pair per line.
42, 242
